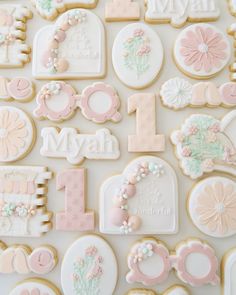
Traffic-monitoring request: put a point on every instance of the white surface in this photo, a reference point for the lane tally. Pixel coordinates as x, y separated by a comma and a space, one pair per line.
98, 171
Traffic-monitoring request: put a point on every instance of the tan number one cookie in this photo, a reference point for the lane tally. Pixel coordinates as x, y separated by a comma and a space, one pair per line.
122, 10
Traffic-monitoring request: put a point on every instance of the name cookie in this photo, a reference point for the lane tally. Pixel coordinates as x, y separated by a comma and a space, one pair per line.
14, 53
175, 290
178, 93
150, 263
201, 51
49, 9
179, 12
229, 272
68, 143
58, 101
205, 144
62, 57
17, 134
22, 260
35, 286
89, 267
142, 200
134, 55
122, 10
23, 200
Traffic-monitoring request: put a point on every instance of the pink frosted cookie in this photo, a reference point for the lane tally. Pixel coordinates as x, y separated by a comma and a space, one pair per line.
150, 263
174, 290
89, 267
141, 200
14, 53
17, 134
229, 272
178, 93
201, 51
22, 260
212, 206
35, 286
52, 8
205, 144
23, 200
122, 10
134, 55
62, 57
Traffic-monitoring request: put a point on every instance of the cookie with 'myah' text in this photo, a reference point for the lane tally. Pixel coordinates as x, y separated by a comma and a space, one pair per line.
174, 290
134, 55
201, 51
89, 267
73, 47
14, 52
228, 268
141, 200
49, 9
205, 144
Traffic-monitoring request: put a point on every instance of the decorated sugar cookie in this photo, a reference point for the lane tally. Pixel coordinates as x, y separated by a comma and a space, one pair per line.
178, 93
89, 267
212, 206
122, 10
175, 290
205, 144
134, 55
141, 200
68, 143
14, 52
22, 260
150, 263
179, 12
49, 9
35, 286
23, 200
232, 32
232, 6
20, 89
73, 48
228, 267
201, 51
17, 134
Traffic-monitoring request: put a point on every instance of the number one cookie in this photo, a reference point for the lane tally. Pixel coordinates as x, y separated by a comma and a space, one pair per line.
74, 218
146, 139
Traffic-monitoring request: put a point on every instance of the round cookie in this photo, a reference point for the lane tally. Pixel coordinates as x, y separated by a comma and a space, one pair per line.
17, 133
212, 206
134, 55
89, 267
201, 51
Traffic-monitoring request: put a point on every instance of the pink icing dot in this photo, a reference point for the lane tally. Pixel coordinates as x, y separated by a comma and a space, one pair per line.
135, 222
53, 44
62, 65
118, 202
24, 292
60, 36
65, 26
118, 216
130, 190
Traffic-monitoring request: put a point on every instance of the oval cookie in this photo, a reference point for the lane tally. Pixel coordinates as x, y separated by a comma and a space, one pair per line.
202, 51
89, 267
134, 55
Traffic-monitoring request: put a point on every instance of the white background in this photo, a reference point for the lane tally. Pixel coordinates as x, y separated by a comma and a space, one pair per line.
98, 171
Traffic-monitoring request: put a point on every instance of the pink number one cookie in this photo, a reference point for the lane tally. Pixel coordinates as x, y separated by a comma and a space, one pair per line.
74, 218
146, 139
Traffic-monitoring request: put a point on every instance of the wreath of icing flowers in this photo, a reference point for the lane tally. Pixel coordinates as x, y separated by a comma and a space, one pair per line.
119, 215
10, 209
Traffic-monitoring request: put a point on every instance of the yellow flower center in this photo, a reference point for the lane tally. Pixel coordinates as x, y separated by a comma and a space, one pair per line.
3, 133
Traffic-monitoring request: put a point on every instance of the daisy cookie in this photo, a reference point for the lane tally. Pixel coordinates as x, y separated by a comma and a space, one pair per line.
141, 200
205, 144
89, 267
201, 51
61, 56
134, 55
212, 206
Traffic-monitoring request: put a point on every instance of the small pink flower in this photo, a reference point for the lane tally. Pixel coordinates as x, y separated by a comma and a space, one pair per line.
138, 33
215, 128
180, 137
186, 152
208, 165
100, 259
193, 130
228, 154
91, 251
146, 49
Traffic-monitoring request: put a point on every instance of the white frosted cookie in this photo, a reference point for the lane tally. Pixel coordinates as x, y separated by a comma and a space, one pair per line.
14, 52
23, 201
232, 32
141, 200
228, 267
89, 267
175, 290
49, 9
212, 206
201, 51
134, 55
205, 144
179, 12
73, 47
35, 286
17, 134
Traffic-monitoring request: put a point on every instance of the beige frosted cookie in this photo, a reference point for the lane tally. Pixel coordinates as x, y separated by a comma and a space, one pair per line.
14, 52
122, 10
50, 9
174, 290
